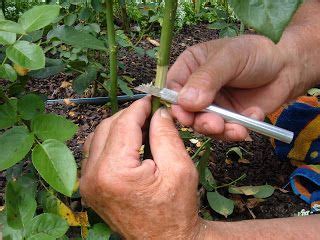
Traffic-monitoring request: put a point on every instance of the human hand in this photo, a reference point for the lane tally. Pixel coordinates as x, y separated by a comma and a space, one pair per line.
249, 75
153, 199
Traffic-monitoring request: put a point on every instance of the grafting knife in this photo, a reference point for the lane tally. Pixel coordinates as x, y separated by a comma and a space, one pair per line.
266, 129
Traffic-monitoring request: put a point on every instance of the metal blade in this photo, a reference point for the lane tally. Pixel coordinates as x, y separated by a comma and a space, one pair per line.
149, 89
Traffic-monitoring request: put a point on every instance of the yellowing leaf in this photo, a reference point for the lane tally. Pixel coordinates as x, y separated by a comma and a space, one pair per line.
20, 70
153, 42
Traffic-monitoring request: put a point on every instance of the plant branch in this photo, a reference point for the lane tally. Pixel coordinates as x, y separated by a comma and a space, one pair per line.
112, 56
165, 47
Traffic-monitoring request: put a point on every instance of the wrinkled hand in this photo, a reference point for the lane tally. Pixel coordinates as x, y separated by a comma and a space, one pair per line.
249, 74
153, 199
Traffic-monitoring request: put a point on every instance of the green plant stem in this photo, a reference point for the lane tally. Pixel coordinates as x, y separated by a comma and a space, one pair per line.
200, 148
165, 47
112, 56
237, 180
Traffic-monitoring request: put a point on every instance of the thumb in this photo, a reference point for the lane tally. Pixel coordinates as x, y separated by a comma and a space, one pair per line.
203, 85
167, 147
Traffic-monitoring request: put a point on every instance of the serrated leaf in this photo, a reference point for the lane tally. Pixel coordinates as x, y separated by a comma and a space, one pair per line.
51, 126
228, 32
27, 55
49, 224
10, 26
267, 17
82, 82
47, 71
124, 87
220, 204
20, 202
30, 106
15, 144
8, 115
265, 191
7, 38
56, 165
77, 38
7, 72
39, 17
100, 231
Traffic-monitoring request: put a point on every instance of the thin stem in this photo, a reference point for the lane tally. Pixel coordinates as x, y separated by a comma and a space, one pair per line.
112, 56
200, 148
233, 182
165, 47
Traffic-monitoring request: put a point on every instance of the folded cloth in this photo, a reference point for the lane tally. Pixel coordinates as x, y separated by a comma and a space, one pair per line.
305, 182
303, 118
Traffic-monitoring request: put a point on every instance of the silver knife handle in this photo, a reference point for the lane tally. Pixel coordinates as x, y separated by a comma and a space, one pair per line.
254, 125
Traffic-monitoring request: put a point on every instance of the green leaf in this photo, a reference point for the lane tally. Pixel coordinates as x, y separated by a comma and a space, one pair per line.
267, 17
39, 17
96, 5
30, 106
70, 19
100, 231
15, 144
205, 175
7, 72
124, 87
10, 26
20, 202
49, 224
228, 32
41, 236
56, 165
82, 82
218, 25
8, 115
33, 36
265, 191
7, 38
220, 204
27, 55
77, 38
122, 39
314, 92
84, 14
51, 126
246, 190
47, 71
9, 233
236, 151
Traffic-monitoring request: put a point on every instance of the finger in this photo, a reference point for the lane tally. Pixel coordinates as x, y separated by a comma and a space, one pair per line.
167, 147
184, 66
86, 148
99, 139
209, 124
233, 132
184, 117
125, 136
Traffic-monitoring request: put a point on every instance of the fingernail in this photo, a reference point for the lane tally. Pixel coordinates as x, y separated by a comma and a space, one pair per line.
164, 113
189, 94
254, 116
248, 139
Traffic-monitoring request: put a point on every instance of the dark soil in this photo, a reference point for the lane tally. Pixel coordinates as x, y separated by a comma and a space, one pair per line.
263, 166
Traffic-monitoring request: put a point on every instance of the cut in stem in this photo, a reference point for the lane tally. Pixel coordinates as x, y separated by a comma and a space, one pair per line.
165, 47
113, 65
